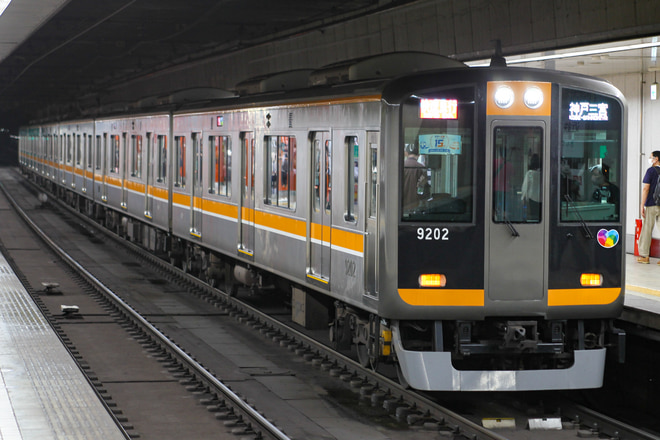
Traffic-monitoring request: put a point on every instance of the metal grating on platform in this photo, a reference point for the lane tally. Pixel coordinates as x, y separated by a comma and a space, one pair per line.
43, 394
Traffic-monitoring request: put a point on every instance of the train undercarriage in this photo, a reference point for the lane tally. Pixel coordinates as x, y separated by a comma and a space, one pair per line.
494, 344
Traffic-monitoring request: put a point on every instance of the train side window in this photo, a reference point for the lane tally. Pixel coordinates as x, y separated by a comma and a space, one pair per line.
281, 152
136, 156
352, 178
161, 173
220, 164
180, 157
114, 153
591, 157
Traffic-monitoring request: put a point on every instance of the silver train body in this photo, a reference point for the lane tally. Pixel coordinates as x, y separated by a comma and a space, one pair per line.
468, 280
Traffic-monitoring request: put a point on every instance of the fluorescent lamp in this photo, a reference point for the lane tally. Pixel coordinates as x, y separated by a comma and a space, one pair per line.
3, 5
580, 53
654, 91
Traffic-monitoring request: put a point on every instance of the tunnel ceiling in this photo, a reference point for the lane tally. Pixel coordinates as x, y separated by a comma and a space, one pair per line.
55, 54
91, 45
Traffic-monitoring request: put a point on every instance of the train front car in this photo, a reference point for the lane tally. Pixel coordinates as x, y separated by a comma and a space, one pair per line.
509, 240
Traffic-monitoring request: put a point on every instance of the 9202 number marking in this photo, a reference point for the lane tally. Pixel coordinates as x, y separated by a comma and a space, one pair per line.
433, 234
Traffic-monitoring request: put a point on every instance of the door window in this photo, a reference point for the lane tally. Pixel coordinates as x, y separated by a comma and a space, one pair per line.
352, 178
220, 174
517, 174
180, 157
281, 171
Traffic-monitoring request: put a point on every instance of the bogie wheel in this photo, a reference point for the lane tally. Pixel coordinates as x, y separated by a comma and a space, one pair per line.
231, 285
363, 355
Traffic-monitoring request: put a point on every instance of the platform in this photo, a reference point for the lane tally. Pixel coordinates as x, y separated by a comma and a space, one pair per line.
642, 304
43, 394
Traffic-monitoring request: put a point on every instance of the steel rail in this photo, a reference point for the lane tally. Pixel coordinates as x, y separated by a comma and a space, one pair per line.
457, 423
263, 422
602, 424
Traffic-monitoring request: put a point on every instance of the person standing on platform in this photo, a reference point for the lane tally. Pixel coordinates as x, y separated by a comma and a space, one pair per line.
650, 212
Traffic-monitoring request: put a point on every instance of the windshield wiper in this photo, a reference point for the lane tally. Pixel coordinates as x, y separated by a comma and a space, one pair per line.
514, 232
587, 232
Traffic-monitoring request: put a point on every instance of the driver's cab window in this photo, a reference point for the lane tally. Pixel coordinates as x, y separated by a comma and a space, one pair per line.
590, 164
437, 155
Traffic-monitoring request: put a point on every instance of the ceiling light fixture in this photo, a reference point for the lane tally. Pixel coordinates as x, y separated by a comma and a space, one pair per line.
654, 87
3, 5
580, 53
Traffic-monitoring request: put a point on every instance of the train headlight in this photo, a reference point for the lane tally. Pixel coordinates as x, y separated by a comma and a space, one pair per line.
432, 280
591, 279
504, 97
533, 97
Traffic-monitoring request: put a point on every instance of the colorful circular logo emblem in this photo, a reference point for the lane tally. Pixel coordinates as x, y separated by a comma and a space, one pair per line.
608, 239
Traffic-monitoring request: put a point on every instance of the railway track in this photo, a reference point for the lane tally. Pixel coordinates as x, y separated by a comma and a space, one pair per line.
425, 417
227, 405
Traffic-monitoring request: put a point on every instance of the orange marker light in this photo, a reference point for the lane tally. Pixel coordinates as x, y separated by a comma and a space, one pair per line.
591, 279
432, 280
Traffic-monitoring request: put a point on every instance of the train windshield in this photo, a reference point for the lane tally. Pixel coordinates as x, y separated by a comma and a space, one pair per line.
591, 129
437, 156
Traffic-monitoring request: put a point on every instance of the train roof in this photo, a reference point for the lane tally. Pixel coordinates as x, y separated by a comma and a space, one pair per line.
390, 76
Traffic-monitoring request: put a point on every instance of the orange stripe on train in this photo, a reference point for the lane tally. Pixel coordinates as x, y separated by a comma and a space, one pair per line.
583, 297
443, 297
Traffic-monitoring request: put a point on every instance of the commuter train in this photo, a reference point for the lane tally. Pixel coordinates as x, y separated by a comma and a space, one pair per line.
464, 224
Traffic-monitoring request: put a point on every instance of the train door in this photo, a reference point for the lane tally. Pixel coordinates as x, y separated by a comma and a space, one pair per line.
88, 172
124, 172
68, 169
62, 165
246, 208
105, 167
371, 206
319, 230
148, 197
197, 187
78, 161
56, 156
83, 163
517, 237
98, 167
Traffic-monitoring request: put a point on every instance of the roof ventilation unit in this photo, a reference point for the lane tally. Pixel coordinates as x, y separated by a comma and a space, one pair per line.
388, 65
275, 82
196, 94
